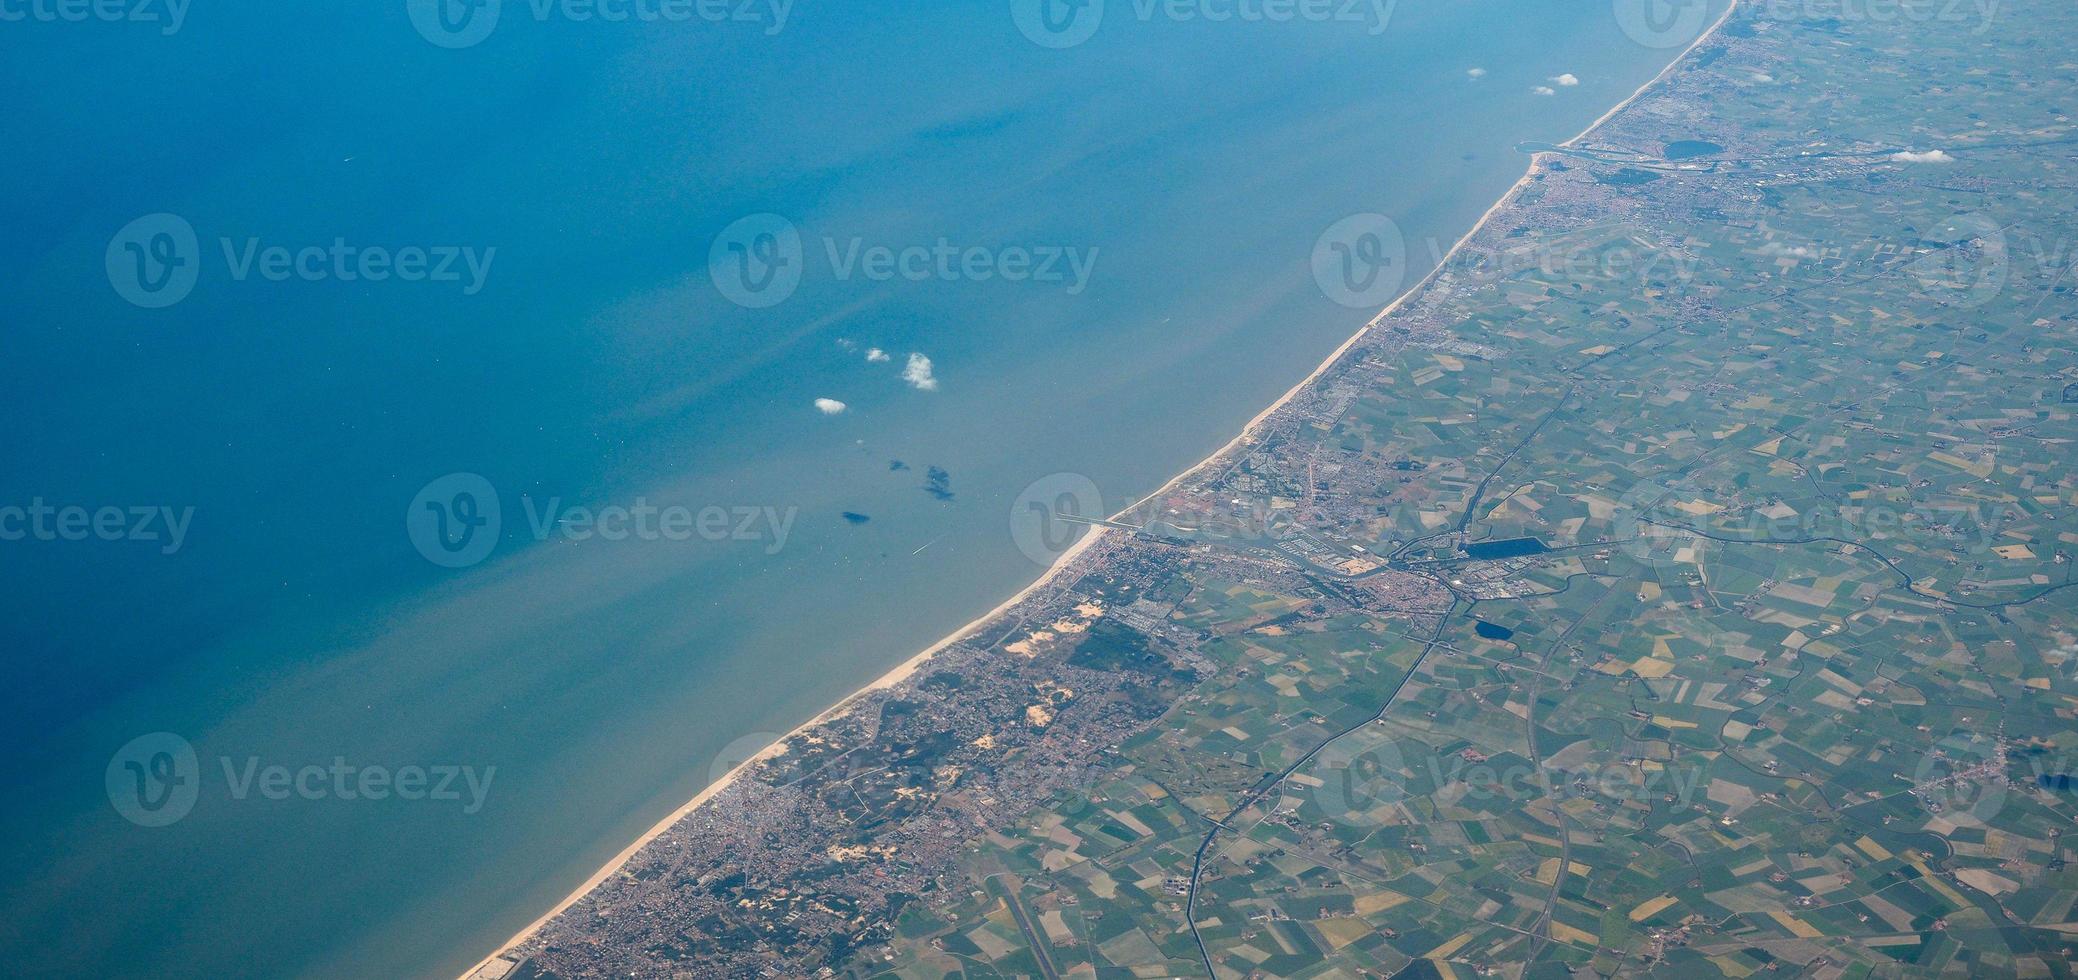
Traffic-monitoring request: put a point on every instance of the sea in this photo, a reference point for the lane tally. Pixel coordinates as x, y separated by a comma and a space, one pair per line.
441, 437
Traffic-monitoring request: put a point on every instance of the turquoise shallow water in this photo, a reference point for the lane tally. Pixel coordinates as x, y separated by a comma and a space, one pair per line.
594, 683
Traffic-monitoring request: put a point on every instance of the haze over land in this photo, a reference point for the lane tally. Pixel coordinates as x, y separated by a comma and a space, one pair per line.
599, 367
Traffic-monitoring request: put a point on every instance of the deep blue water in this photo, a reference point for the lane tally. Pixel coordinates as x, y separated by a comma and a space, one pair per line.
598, 365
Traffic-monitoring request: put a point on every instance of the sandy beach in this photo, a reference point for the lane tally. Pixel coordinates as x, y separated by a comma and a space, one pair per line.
1075, 551
893, 677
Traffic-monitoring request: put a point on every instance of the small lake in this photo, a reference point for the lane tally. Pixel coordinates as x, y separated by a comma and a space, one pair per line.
1510, 548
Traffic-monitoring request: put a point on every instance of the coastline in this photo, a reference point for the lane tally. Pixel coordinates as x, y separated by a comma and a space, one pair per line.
1247, 432
897, 675
1507, 197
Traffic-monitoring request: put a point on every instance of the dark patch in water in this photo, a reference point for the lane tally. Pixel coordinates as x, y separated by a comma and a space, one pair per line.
896, 466
855, 517
1511, 548
938, 483
1490, 631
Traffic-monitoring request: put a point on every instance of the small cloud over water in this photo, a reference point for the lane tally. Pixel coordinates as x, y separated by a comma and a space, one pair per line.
919, 374
830, 406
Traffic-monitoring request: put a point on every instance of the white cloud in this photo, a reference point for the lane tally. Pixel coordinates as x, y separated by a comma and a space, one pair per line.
1545, 90
876, 356
918, 373
1761, 76
1567, 80
847, 344
830, 406
1930, 156
1476, 73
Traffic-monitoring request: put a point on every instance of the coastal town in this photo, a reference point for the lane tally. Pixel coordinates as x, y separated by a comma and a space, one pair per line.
1677, 582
